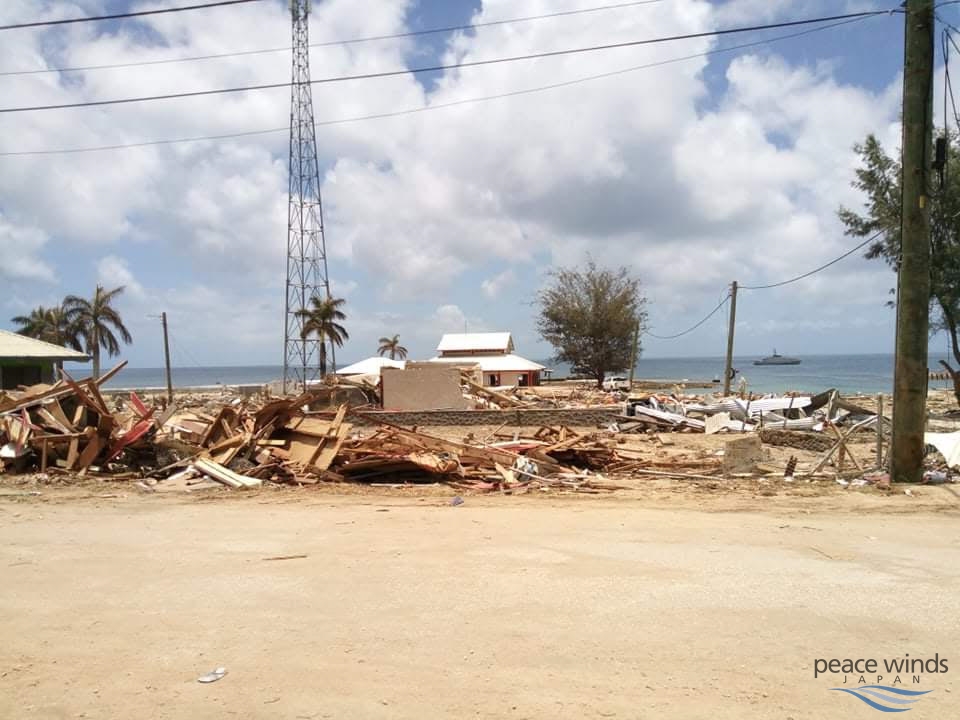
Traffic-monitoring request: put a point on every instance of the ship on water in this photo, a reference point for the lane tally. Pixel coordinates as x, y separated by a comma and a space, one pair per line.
777, 359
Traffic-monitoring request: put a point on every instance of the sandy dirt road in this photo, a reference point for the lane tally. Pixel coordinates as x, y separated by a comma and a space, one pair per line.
499, 608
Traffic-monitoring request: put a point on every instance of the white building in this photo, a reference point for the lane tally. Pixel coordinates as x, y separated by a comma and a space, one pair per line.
494, 353
371, 366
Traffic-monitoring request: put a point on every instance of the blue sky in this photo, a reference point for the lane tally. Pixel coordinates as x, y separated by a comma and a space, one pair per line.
692, 174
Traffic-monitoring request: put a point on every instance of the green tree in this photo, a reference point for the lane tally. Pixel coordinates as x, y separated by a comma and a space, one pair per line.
589, 316
50, 325
322, 319
98, 322
880, 179
392, 347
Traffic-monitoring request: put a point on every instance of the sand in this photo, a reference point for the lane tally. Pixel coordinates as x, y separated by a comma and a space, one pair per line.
503, 607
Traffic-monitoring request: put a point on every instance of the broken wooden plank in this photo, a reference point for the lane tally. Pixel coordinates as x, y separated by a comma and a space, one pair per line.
331, 448
94, 445
58, 390
493, 394
225, 475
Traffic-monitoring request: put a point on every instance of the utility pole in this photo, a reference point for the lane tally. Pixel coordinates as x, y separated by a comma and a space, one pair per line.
728, 370
913, 300
166, 357
636, 347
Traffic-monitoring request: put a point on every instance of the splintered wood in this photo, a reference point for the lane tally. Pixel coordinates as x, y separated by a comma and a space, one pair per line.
241, 444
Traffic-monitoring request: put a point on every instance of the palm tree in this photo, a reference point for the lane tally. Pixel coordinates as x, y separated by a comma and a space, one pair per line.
96, 321
392, 347
50, 325
322, 320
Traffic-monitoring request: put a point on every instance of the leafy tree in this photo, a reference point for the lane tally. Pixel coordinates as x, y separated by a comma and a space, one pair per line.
323, 320
50, 325
589, 315
98, 322
880, 179
392, 347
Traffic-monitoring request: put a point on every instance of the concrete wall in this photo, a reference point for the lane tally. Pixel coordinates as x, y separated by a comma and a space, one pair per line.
518, 418
424, 386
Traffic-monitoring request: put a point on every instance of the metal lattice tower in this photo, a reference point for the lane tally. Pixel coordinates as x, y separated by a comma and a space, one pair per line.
306, 247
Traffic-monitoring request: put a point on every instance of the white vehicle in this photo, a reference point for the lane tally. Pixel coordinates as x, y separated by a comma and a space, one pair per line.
616, 382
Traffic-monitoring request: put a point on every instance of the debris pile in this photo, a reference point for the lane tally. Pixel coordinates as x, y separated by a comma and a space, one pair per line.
69, 427
324, 436
733, 414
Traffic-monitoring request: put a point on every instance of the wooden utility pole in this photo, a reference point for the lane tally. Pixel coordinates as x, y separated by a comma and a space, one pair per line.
636, 347
166, 357
728, 370
913, 300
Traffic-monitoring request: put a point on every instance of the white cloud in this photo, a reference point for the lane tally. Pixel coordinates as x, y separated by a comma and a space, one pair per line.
493, 286
113, 271
19, 248
649, 169
449, 319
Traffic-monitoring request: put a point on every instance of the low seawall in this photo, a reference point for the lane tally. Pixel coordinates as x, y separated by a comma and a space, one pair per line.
521, 417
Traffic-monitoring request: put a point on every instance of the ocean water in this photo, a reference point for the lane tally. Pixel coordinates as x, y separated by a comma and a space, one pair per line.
847, 373
184, 377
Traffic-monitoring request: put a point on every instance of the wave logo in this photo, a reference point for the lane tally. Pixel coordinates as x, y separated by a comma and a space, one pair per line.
885, 698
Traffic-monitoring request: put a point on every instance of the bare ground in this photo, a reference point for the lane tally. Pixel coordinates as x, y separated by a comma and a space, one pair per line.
646, 603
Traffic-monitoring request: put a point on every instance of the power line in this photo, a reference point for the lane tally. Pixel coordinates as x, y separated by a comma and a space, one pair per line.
813, 272
120, 16
329, 43
691, 329
948, 84
456, 66
436, 106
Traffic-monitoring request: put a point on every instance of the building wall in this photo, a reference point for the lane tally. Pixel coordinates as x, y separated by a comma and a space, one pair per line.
24, 372
424, 386
508, 378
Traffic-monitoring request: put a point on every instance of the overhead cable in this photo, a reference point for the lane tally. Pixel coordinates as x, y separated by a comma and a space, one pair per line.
435, 106
847, 254
691, 329
329, 43
948, 82
436, 68
121, 16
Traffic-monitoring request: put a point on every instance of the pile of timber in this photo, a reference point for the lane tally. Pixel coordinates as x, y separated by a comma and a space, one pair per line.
68, 427
518, 465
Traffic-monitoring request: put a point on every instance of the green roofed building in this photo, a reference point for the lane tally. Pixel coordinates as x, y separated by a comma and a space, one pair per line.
26, 361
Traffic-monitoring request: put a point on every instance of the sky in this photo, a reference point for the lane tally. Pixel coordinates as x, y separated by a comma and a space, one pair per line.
691, 174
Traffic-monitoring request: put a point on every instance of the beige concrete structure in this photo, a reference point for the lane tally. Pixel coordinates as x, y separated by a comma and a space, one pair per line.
422, 386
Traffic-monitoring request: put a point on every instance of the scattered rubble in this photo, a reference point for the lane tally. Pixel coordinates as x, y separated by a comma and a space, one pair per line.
325, 435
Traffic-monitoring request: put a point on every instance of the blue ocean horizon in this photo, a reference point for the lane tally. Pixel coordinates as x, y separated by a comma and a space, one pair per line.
849, 374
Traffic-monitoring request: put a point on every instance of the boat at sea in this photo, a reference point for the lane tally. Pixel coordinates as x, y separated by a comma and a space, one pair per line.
777, 359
